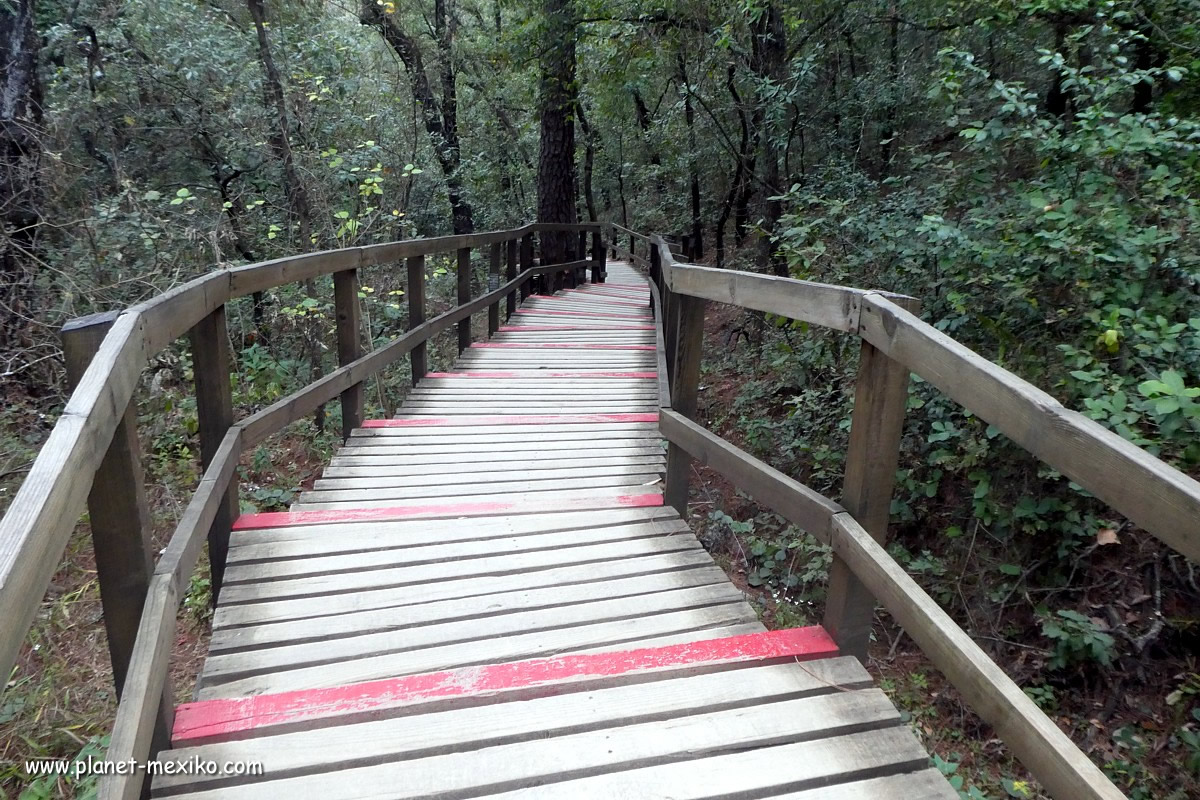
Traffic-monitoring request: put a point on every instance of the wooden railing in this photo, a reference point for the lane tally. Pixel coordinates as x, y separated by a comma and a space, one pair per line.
93, 450
1150, 493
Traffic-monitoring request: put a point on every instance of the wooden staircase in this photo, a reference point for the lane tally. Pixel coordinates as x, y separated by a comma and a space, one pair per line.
486, 596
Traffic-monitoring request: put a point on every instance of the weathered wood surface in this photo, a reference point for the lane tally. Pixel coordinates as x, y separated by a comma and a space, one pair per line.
349, 344
880, 400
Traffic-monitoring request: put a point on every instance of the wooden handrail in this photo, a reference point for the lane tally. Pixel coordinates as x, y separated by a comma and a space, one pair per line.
35, 529
1049, 754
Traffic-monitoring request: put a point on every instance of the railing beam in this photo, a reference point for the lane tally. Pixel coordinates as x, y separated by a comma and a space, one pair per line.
349, 344
527, 263
416, 313
880, 399
212, 365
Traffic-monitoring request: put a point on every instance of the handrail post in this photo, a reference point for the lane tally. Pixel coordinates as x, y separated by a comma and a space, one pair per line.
493, 283
118, 514
688, 344
510, 274
527, 263
880, 400
211, 366
599, 257
581, 272
416, 313
349, 344
464, 296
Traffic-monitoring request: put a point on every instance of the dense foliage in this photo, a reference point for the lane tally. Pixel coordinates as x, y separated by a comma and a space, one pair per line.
1028, 169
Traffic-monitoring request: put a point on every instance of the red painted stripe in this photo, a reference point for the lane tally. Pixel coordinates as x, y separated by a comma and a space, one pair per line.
211, 721
561, 345
553, 502
581, 314
504, 328
514, 419
543, 374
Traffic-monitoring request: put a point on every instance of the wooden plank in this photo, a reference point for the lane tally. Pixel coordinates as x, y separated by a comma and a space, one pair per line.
1061, 768
375, 459
272, 544
416, 574
392, 619
477, 504
411, 594
530, 766
211, 366
880, 400
1152, 494
647, 444
399, 434
399, 468
765, 661
36, 526
490, 434
664, 382
543, 375
239, 664
705, 696
800, 505
535, 479
418, 407
217, 721
489, 651
751, 773
432, 551
928, 784
450, 490
415, 267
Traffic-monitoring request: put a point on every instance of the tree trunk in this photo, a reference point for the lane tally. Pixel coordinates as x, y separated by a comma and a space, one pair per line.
20, 183
293, 187
767, 62
589, 162
689, 116
556, 157
440, 118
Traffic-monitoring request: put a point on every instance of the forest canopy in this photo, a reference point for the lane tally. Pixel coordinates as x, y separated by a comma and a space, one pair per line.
1028, 169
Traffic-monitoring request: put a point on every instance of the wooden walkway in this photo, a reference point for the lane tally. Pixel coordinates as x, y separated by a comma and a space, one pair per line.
486, 597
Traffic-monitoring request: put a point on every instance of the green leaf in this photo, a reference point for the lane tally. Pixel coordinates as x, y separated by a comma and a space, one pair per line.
152, 195
1009, 569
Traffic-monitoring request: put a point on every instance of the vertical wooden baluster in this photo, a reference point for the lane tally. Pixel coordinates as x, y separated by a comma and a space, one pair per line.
599, 257
581, 272
527, 263
880, 400
492, 285
464, 296
349, 344
119, 519
510, 274
416, 313
685, 383
211, 365
631, 250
